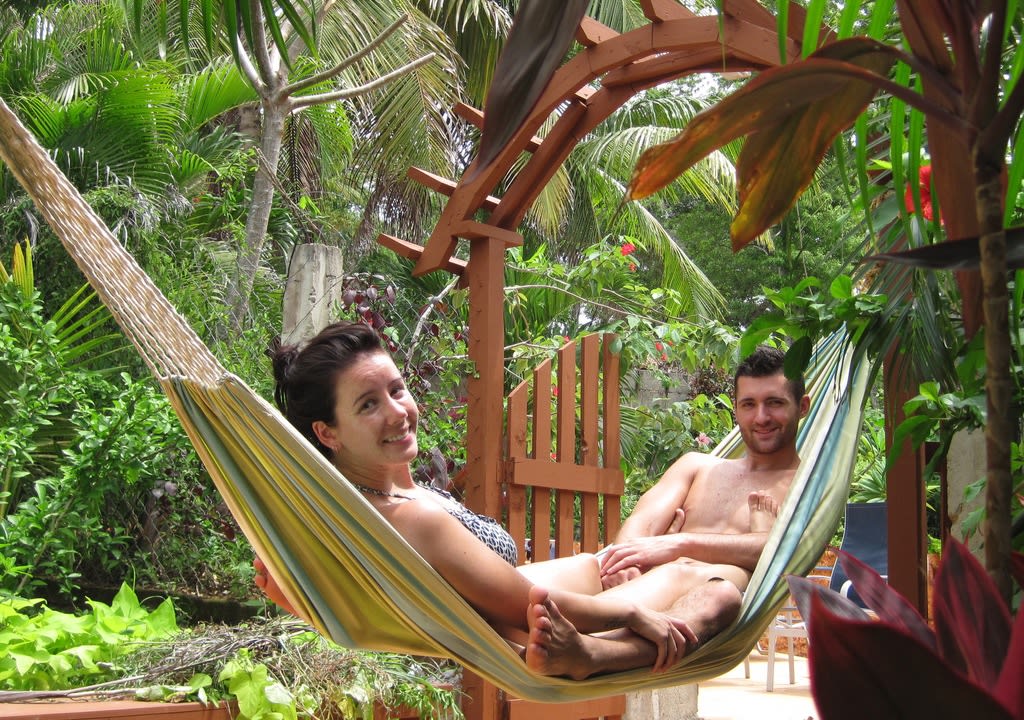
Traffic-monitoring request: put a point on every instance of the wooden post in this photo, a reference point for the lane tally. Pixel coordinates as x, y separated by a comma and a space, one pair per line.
908, 545
485, 279
311, 292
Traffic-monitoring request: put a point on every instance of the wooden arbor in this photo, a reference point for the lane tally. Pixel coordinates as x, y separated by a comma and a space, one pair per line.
608, 71
611, 68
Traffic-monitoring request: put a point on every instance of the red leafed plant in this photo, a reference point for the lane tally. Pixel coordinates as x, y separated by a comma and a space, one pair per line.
971, 665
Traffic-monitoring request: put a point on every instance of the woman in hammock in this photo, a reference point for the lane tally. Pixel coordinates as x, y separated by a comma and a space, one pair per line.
345, 394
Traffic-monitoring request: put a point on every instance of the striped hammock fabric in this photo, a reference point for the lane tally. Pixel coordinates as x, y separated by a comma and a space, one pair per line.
335, 557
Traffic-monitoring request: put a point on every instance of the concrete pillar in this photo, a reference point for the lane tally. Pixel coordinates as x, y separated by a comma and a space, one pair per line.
312, 291
678, 702
965, 465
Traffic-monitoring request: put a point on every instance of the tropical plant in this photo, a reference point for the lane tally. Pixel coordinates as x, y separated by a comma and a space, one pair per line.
969, 665
270, 668
44, 649
40, 373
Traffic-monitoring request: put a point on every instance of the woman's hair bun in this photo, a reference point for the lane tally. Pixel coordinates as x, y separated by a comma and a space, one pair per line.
281, 358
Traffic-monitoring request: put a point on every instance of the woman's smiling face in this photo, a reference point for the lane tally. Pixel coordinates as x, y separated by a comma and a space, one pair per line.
375, 417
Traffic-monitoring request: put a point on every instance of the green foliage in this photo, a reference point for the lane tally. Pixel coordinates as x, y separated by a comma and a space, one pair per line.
91, 464
656, 435
259, 697
44, 649
42, 374
271, 671
805, 313
815, 239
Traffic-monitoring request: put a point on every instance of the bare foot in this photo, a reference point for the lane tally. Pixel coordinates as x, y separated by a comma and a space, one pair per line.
555, 646
763, 511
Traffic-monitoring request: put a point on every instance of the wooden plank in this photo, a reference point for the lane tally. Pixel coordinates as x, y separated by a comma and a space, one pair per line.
411, 251
661, 10
516, 425
113, 709
607, 707
611, 444
476, 118
565, 448
589, 450
541, 474
591, 32
485, 409
443, 185
540, 498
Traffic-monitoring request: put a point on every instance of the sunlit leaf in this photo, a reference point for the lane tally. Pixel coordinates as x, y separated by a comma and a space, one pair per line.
791, 114
541, 34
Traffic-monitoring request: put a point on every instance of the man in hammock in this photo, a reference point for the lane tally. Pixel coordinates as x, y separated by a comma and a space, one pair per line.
711, 515
704, 522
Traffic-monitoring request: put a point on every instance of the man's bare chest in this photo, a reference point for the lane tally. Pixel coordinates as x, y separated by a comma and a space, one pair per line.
719, 502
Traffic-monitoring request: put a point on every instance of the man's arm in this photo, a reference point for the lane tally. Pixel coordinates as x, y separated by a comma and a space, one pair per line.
655, 511
643, 553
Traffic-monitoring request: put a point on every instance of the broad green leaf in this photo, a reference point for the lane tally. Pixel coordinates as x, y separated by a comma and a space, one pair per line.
162, 621
797, 357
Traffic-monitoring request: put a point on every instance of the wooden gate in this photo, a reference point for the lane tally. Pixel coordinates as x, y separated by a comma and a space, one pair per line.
561, 486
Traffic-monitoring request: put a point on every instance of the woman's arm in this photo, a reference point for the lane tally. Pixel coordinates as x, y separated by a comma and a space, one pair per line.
500, 593
493, 587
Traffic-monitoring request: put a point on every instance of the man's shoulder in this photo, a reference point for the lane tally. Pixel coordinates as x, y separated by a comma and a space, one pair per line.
692, 463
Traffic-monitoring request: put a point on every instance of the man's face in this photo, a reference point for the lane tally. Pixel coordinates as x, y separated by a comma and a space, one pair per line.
767, 413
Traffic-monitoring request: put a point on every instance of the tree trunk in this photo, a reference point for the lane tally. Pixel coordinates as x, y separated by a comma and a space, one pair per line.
256, 224
999, 430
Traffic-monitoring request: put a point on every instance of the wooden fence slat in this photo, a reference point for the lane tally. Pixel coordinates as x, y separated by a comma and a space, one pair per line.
565, 449
516, 430
589, 506
541, 497
611, 448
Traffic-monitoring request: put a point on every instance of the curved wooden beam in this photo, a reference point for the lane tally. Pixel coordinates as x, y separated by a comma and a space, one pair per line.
675, 44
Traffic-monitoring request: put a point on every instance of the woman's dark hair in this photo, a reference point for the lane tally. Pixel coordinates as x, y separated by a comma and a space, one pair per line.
304, 376
764, 362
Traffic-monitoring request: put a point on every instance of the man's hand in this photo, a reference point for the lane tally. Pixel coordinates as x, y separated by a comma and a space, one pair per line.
642, 554
616, 573
671, 636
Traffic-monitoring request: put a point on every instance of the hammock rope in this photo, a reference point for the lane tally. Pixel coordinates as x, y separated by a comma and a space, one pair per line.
336, 558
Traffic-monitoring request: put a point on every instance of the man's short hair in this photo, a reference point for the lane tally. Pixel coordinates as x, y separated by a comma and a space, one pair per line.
766, 361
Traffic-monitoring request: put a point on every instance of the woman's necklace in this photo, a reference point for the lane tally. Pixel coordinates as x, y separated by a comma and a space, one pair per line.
376, 491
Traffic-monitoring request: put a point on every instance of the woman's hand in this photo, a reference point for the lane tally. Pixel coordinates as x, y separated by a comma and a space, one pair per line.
266, 582
671, 636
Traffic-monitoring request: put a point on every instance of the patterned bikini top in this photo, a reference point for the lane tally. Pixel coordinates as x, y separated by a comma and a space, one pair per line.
485, 528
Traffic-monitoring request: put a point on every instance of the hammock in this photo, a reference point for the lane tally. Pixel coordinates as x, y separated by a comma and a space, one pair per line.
336, 558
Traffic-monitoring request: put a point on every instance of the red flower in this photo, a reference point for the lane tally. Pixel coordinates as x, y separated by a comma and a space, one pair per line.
924, 180
632, 267
627, 249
